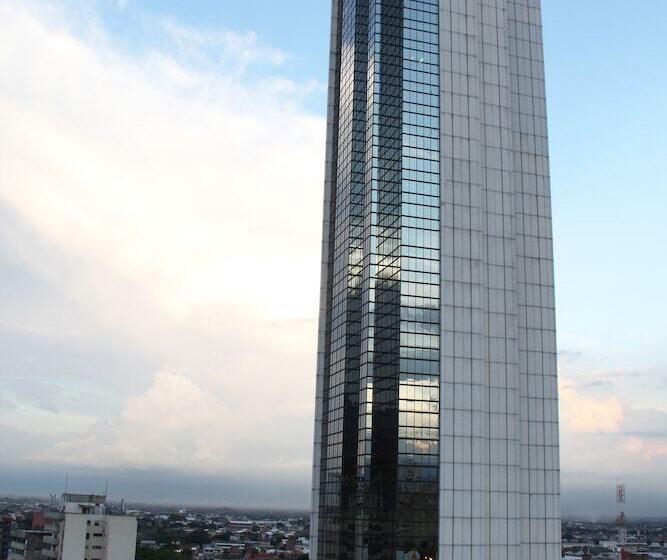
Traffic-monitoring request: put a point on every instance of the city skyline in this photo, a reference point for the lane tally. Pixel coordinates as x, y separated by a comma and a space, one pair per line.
116, 319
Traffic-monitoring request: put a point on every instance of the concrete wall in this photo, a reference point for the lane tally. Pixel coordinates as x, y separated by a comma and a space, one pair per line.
121, 538
499, 431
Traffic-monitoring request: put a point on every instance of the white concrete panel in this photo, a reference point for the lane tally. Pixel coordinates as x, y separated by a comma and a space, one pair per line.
497, 285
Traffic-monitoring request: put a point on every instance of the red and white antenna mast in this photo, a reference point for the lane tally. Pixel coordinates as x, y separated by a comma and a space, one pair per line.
621, 521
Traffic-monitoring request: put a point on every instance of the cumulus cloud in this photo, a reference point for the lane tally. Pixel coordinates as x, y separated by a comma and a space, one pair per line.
604, 435
173, 424
192, 197
175, 210
176, 424
588, 413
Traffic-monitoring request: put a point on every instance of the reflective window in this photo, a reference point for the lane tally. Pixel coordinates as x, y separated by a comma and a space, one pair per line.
380, 433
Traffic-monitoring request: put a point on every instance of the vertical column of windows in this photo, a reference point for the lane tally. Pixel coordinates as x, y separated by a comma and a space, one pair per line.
378, 441
341, 390
418, 433
380, 432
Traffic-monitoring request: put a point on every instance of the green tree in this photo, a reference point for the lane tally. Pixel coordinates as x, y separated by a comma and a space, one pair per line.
276, 539
196, 537
160, 554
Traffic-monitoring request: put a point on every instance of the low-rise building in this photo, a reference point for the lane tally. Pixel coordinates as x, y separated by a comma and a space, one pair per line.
6, 523
27, 544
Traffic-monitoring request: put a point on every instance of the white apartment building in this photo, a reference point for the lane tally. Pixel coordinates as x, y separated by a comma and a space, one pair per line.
83, 530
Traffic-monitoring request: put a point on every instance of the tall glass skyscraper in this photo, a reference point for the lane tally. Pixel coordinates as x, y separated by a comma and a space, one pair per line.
436, 429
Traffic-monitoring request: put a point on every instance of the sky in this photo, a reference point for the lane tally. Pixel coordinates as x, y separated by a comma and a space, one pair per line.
161, 168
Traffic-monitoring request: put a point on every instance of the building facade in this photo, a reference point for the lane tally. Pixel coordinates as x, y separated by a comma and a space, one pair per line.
84, 530
436, 425
6, 525
27, 544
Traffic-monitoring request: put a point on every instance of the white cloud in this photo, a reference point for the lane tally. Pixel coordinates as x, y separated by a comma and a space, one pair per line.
603, 435
582, 413
176, 424
177, 210
237, 50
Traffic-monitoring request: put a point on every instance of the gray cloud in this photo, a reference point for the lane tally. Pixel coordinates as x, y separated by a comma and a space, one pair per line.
162, 486
16, 443
594, 501
648, 423
588, 497
597, 384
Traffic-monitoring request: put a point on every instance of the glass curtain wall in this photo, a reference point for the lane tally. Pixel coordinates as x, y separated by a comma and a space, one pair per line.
341, 382
418, 419
380, 430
